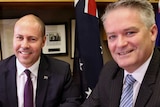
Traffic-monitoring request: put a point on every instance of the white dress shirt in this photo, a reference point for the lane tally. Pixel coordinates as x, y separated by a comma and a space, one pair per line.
138, 75
21, 80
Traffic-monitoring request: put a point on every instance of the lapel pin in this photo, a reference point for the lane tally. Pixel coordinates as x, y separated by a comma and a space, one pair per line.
45, 77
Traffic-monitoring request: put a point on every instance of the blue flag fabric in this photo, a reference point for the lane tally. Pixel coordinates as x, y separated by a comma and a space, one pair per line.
158, 25
88, 59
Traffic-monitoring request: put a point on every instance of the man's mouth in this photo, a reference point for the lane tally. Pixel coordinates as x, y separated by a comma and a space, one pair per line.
125, 52
25, 52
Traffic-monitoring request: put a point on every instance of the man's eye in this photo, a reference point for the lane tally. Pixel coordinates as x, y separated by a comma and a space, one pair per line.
33, 39
111, 37
130, 33
19, 38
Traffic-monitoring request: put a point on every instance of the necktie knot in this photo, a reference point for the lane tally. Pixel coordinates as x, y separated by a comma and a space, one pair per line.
129, 80
28, 72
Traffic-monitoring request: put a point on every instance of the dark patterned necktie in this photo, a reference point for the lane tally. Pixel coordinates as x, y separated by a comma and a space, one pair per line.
127, 95
28, 91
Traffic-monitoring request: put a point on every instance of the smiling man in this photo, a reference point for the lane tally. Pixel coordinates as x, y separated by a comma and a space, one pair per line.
31, 79
132, 79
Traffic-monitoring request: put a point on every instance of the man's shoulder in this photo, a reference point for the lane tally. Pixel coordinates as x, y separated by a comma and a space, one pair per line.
52, 60
7, 63
8, 60
111, 65
54, 65
110, 69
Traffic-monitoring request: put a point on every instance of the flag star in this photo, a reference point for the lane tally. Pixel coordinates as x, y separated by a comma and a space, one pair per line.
88, 92
45, 77
101, 50
81, 64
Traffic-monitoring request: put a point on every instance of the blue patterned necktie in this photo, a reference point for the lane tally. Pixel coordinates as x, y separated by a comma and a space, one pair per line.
127, 94
28, 91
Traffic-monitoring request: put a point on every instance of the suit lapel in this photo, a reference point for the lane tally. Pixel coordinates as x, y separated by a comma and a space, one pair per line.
11, 87
148, 81
116, 87
42, 82
143, 96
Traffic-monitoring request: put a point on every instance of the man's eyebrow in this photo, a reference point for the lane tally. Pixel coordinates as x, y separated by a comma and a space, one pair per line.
110, 33
130, 28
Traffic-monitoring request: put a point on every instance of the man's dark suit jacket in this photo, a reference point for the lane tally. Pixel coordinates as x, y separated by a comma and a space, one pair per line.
53, 84
108, 91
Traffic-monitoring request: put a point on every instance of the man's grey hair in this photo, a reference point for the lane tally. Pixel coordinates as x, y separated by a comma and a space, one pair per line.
144, 7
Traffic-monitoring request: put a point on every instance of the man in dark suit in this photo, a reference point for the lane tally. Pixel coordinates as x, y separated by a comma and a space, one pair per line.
131, 34
51, 78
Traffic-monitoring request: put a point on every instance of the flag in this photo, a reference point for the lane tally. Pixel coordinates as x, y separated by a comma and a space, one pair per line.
158, 24
88, 59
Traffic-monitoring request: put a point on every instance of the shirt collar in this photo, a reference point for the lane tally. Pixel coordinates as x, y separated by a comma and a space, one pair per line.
139, 73
33, 68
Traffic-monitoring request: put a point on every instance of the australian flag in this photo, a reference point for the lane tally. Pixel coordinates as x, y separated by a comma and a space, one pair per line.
88, 59
158, 24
